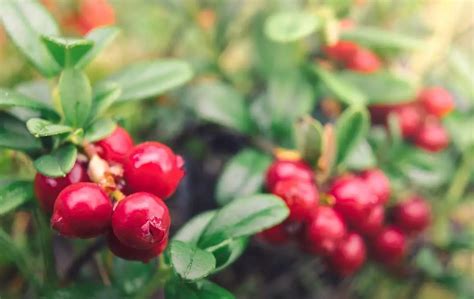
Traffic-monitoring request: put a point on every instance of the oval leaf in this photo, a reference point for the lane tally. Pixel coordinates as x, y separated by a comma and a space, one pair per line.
104, 97
351, 127
41, 128
290, 26
58, 163
229, 253
100, 129
13, 195
15, 135
309, 138
192, 230
383, 39
190, 262
100, 37
67, 51
76, 96
10, 98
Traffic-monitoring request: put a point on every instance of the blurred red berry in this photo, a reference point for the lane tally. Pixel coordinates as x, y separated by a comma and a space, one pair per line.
342, 50
348, 256
410, 119
82, 210
93, 14
371, 225
412, 215
153, 167
282, 170
301, 197
389, 246
141, 220
432, 137
114, 147
436, 101
277, 235
47, 189
363, 61
378, 183
132, 254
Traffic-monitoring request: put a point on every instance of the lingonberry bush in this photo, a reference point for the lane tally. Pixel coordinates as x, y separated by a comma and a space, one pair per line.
300, 154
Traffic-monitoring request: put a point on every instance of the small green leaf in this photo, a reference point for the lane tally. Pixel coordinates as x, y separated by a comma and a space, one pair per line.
383, 39
192, 230
243, 175
351, 127
190, 262
290, 26
10, 98
76, 97
101, 37
427, 261
100, 129
41, 128
210, 290
67, 51
15, 135
309, 138
361, 157
13, 195
244, 217
58, 163
104, 97
202, 289
229, 253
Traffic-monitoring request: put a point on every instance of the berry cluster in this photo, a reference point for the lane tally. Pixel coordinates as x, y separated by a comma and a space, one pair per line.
353, 56
420, 119
350, 219
119, 191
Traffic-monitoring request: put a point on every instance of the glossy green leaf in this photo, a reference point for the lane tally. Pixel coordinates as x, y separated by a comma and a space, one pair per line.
25, 21
100, 129
189, 261
58, 163
15, 135
210, 290
41, 128
351, 127
229, 253
67, 51
309, 138
100, 37
243, 175
13, 195
290, 26
202, 289
76, 96
192, 230
10, 98
103, 98
379, 38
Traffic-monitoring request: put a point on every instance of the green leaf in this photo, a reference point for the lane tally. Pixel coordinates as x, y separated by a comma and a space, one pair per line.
456, 123
229, 253
58, 163
100, 129
13, 195
379, 38
25, 21
361, 157
129, 276
76, 97
67, 51
15, 135
210, 290
41, 128
10, 98
192, 230
290, 26
221, 104
149, 79
100, 37
341, 88
381, 87
309, 138
351, 127
243, 175
427, 261
203, 289
104, 97
190, 262
244, 217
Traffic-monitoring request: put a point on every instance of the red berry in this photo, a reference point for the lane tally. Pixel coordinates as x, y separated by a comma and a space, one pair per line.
276, 235
342, 50
389, 246
371, 225
436, 101
410, 119
378, 183
282, 170
82, 210
47, 189
301, 197
353, 200
363, 61
133, 254
114, 147
349, 255
141, 220
324, 231
95, 13
432, 137
153, 167
412, 215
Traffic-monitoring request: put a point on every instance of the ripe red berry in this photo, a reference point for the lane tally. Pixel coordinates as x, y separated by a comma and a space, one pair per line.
114, 147
410, 119
82, 210
389, 246
47, 189
282, 170
412, 215
363, 61
342, 50
348, 256
353, 200
432, 137
93, 14
276, 235
436, 101
371, 225
141, 220
153, 167
378, 183
132, 254
301, 197
324, 231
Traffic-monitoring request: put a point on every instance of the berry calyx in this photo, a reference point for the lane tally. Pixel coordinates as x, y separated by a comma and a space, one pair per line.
371, 225
410, 119
363, 61
378, 183
348, 256
82, 210
412, 215
284, 169
301, 197
389, 246
141, 220
153, 167
132, 254
436, 101
432, 137
114, 147
47, 189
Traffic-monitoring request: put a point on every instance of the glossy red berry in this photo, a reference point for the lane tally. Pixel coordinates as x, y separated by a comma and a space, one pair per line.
410, 119
324, 231
389, 246
436, 101
363, 61
342, 50
378, 184
371, 225
432, 137
277, 235
283, 170
153, 167
353, 200
348, 256
141, 220
412, 215
82, 210
301, 197
93, 14
47, 189
115, 147
132, 254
